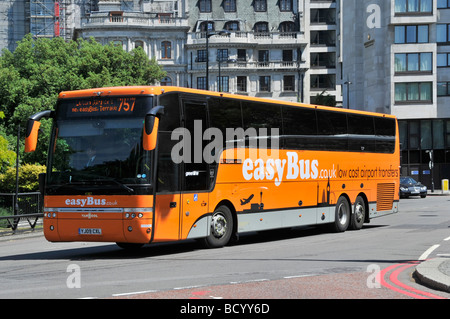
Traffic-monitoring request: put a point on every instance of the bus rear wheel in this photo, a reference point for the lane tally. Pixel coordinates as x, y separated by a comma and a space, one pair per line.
359, 214
221, 228
342, 215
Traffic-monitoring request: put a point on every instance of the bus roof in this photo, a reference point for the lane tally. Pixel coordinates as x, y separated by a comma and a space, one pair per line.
159, 90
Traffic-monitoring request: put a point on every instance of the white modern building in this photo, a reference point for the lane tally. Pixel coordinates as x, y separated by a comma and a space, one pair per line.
395, 59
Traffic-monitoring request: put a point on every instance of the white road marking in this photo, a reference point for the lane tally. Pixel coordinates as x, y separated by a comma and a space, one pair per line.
425, 255
133, 293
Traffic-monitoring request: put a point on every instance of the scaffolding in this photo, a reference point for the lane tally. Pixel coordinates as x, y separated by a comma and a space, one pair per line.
43, 18
52, 18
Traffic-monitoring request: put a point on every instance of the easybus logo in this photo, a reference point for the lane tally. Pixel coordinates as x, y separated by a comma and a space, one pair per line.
292, 168
81, 202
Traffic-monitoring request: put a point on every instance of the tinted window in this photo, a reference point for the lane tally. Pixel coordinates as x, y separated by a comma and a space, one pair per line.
332, 130
258, 115
171, 118
262, 116
225, 113
361, 133
385, 134
299, 128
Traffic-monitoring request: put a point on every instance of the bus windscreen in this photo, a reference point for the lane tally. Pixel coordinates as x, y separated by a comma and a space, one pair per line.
98, 147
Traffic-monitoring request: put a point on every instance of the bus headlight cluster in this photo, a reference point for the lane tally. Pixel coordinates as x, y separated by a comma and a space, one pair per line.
50, 215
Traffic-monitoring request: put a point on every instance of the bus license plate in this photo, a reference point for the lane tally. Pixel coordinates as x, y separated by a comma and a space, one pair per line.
89, 231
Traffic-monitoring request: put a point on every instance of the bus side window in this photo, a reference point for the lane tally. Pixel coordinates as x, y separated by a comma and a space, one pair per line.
171, 118
361, 133
262, 116
332, 131
385, 134
299, 128
225, 114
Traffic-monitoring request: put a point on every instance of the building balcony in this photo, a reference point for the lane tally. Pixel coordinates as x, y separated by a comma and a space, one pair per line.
120, 19
247, 66
248, 38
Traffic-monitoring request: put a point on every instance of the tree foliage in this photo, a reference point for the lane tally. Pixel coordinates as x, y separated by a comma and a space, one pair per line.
34, 74
28, 178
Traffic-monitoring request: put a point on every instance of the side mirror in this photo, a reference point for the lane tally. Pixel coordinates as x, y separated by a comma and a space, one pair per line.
151, 125
32, 133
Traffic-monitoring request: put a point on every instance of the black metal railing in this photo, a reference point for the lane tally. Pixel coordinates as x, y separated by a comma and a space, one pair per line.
29, 208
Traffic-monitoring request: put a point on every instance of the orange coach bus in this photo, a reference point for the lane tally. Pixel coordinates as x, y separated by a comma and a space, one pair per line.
138, 165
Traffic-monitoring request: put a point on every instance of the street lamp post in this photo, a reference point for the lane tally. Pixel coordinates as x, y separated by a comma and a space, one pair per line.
348, 92
208, 35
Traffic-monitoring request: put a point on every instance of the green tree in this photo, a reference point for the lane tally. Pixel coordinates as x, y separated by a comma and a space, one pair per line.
7, 157
325, 99
34, 74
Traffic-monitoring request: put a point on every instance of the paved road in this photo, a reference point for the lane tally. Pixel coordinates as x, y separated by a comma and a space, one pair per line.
375, 262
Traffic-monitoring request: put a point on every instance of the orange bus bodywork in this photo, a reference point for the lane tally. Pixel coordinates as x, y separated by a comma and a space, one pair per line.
301, 189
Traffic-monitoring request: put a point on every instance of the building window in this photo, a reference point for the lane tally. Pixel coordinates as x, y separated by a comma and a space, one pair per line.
413, 62
413, 92
201, 83
263, 58
264, 83
166, 49
411, 34
443, 88
443, 60
413, 6
229, 5
206, 26
223, 84
204, 5
222, 55
288, 83
285, 5
167, 81
202, 55
261, 27
139, 44
242, 84
323, 81
287, 26
231, 26
260, 5
443, 34
443, 4
241, 55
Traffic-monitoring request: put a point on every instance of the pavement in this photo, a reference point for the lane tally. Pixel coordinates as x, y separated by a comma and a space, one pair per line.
434, 273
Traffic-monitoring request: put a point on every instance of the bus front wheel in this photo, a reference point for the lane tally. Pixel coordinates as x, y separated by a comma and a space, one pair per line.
342, 215
221, 228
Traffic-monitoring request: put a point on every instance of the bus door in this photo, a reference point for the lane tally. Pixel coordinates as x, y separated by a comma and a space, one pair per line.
196, 177
168, 199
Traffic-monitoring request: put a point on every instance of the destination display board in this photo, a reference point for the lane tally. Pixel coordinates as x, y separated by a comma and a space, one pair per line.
105, 106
